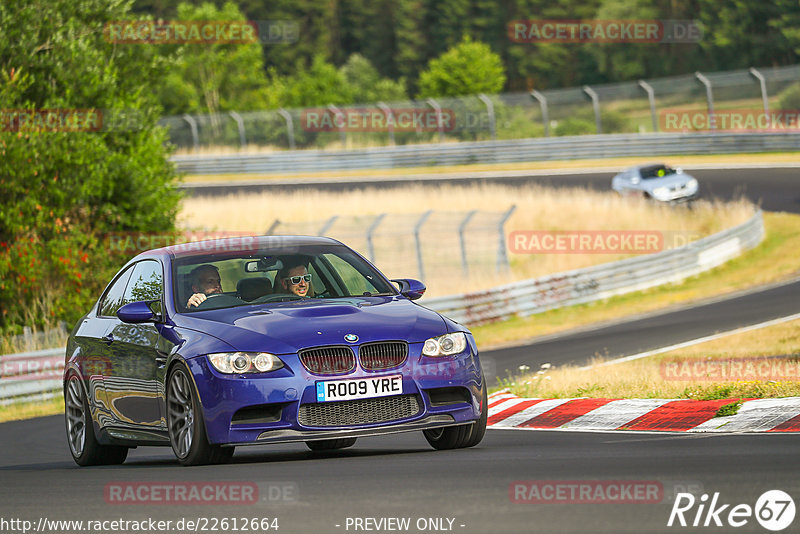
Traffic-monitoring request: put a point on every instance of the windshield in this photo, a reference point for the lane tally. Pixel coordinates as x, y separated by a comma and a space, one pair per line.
229, 279
656, 171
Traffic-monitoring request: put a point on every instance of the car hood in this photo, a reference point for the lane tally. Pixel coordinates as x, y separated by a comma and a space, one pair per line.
288, 327
671, 180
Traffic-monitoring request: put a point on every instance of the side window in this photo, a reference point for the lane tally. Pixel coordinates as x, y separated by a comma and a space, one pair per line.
146, 283
115, 295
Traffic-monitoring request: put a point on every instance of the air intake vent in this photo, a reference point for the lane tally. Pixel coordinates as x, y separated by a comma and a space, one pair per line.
383, 355
359, 412
333, 360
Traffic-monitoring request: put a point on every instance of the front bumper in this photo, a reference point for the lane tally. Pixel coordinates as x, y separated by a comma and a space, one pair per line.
282, 392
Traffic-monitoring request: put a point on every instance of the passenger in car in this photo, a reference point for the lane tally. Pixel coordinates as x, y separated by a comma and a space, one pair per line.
296, 280
205, 281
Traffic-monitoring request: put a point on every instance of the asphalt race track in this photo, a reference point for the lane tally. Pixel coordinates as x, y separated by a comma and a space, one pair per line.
651, 331
775, 189
402, 477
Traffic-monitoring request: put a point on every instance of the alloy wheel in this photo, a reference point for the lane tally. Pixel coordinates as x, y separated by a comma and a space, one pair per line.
76, 418
180, 412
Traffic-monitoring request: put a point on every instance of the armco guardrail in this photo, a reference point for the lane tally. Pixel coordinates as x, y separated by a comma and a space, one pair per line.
37, 375
30, 376
509, 151
602, 281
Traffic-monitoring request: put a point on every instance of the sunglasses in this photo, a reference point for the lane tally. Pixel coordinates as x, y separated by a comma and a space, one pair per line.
296, 279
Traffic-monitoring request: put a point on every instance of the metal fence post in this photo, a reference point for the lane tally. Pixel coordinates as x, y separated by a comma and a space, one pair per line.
490, 111
760, 77
240, 126
418, 244
289, 126
596, 105
389, 120
712, 121
272, 227
543, 105
342, 135
327, 225
193, 126
462, 241
438, 109
502, 255
651, 97
370, 231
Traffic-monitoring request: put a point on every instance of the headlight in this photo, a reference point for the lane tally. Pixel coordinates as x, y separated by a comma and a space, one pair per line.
661, 192
244, 362
692, 184
445, 345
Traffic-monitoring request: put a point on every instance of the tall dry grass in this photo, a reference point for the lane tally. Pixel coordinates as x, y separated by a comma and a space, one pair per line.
537, 208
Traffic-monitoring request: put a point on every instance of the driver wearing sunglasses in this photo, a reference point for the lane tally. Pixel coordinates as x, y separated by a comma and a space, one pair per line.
297, 281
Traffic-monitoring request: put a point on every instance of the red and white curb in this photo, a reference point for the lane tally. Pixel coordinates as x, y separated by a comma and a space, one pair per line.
670, 415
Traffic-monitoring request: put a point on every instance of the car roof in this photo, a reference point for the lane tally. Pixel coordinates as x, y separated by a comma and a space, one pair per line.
238, 243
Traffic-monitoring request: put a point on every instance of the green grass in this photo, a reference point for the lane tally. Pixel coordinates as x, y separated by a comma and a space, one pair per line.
729, 409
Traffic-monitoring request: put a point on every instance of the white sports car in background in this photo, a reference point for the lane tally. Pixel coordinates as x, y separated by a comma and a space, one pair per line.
656, 181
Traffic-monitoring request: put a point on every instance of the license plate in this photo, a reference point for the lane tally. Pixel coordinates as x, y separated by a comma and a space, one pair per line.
359, 388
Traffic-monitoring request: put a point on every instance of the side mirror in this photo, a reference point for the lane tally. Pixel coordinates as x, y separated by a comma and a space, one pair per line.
137, 312
410, 288
678, 171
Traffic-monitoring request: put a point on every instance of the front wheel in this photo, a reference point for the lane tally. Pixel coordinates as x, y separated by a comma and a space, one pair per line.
462, 436
187, 430
83, 444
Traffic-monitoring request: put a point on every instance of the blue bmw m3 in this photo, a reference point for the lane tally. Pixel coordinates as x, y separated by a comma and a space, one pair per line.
254, 340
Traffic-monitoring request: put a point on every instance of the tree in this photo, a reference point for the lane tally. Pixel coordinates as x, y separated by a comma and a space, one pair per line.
469, 68
209, 78
319, 85
366, 84
67, 185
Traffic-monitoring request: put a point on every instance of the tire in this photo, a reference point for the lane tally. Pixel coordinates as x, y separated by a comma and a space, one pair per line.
450, 437
185, 424
330, 444
478, 430
83, 444
462, 436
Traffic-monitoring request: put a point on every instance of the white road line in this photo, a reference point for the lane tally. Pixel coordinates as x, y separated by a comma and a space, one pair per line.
695, 341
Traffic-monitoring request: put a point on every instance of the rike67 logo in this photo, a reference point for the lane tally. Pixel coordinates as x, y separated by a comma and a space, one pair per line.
774, 510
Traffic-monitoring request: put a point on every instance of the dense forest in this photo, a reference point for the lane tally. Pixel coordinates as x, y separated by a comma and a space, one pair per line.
400, 37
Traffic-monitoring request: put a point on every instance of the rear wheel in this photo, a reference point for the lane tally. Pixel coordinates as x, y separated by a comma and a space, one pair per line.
462, 436
187, 430
330, 444
83, 444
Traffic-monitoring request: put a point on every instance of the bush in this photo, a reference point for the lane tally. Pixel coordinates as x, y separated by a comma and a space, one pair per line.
66, 188
790, 97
